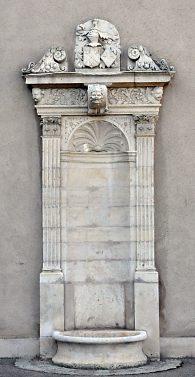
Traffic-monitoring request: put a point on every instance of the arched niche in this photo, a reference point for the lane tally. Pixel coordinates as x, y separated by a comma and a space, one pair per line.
98, 257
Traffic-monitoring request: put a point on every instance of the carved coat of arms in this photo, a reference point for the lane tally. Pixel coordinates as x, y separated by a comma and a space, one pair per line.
91, 56
97, 45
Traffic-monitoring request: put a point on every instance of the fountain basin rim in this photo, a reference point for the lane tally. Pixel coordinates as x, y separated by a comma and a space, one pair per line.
74, 337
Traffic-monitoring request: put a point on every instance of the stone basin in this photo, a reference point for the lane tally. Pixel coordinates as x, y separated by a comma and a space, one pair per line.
101, 349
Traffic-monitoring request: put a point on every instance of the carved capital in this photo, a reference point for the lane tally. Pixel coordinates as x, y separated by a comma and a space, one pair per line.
145, 124
51, 126
97, 99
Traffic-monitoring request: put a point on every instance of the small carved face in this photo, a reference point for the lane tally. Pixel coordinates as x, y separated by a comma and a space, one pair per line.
158, 93
96, 96
37, 94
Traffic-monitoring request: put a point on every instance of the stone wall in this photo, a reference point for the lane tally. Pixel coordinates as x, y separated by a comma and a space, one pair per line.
28, 29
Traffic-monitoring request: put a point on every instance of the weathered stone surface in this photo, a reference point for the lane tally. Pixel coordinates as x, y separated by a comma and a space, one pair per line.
97, 271
104, 305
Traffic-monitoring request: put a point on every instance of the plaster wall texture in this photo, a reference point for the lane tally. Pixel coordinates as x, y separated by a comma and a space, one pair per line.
27, 30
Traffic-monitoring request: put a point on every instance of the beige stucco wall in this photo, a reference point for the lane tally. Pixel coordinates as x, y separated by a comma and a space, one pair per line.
27, 29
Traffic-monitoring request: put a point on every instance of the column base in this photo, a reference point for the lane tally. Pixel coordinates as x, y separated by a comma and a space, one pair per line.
51, 309
147, 310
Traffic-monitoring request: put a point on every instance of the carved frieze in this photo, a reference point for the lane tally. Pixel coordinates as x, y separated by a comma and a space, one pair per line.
97, 45
97, 99
66, 97
140, 59
98, 136
51, 126
53, 61
126, 96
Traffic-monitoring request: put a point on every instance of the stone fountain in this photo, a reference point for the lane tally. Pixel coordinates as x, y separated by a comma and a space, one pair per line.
99, 299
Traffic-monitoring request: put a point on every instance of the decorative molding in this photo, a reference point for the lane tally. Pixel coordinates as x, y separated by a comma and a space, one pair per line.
97, 99
51, 126
53, 61
140, 59
98, 136
127, 96
97, 46
61, 97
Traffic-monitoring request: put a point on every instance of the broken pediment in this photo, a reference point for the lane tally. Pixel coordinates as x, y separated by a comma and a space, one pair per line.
97, 49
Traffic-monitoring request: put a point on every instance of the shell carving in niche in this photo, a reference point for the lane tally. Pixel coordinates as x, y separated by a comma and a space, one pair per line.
98, 136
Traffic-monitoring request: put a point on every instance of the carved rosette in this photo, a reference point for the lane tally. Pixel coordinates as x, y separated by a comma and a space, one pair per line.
51, 192
145, 132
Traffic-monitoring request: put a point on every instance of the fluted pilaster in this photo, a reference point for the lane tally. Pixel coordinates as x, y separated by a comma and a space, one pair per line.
145, 132
51, 192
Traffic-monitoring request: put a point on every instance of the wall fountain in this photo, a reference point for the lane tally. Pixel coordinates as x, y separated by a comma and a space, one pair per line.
99, 299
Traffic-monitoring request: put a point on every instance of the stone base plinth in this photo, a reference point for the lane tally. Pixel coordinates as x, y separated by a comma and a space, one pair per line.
51, 309
147, 310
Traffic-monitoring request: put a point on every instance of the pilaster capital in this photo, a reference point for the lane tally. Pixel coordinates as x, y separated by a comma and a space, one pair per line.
145, 125
51, 126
